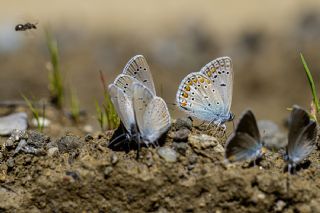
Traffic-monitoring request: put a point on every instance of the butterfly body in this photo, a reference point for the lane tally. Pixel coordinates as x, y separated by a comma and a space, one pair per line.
207, 94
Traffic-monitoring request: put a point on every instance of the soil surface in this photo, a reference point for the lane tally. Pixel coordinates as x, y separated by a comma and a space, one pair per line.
72, 173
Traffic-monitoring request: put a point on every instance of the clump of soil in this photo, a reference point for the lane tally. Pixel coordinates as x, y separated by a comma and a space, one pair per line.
74, 173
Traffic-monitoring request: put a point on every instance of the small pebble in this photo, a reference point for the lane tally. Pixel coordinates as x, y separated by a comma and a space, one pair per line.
10, 162
181, 135
107, 171
279, 206
205, 141
167, 154
114, 158
74, 175
53, 151
183, 123
88, 137
12, 122
180, 147
193, 159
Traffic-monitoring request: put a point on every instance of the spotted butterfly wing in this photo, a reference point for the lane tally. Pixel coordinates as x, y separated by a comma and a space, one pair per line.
151, 113
245, 142
138, 68
123, 106
125, 82
198, 97
221, 74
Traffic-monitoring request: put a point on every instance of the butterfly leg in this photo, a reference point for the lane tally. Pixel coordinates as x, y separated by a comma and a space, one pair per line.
115, 141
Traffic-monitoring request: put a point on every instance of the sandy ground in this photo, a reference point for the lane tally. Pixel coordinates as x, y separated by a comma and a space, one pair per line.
71, 172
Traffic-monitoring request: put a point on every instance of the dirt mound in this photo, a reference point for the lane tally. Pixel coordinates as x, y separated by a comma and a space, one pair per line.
81, 173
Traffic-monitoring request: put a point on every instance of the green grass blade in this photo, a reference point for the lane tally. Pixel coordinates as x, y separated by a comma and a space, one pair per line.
311, 83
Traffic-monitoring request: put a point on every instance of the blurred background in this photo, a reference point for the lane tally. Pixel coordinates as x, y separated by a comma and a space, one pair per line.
176, 37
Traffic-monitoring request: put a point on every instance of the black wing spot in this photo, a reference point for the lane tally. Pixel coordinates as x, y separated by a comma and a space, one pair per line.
218, 103
223, 85
206, 86
213, 90
145, 69
227, 73
137, 69
209, 104
145, 80
192, 99
215, 76
135, 73
219, 72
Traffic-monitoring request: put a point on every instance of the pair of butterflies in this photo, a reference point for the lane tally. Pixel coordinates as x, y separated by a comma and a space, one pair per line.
144, 115
246, 144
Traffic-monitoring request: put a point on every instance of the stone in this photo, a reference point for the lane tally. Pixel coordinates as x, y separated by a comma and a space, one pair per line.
205, 141
107, 171
181, 135
167, 154
183, 123
53, 151
9, 123
181, 148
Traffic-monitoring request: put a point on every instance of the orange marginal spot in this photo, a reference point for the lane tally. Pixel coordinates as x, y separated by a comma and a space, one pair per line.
209, 73
183, 103
208, 81
187, 88
189, 82
194, 80
185, 95
201, 80
213, 69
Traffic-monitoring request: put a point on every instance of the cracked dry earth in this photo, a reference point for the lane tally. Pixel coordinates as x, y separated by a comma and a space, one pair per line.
80, 174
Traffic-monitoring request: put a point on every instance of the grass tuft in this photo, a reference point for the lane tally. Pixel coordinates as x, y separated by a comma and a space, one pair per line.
315, 105
55, 78
75, 106
36, 113
106, 114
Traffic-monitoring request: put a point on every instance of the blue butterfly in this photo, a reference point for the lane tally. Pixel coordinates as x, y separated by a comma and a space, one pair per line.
207, 94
